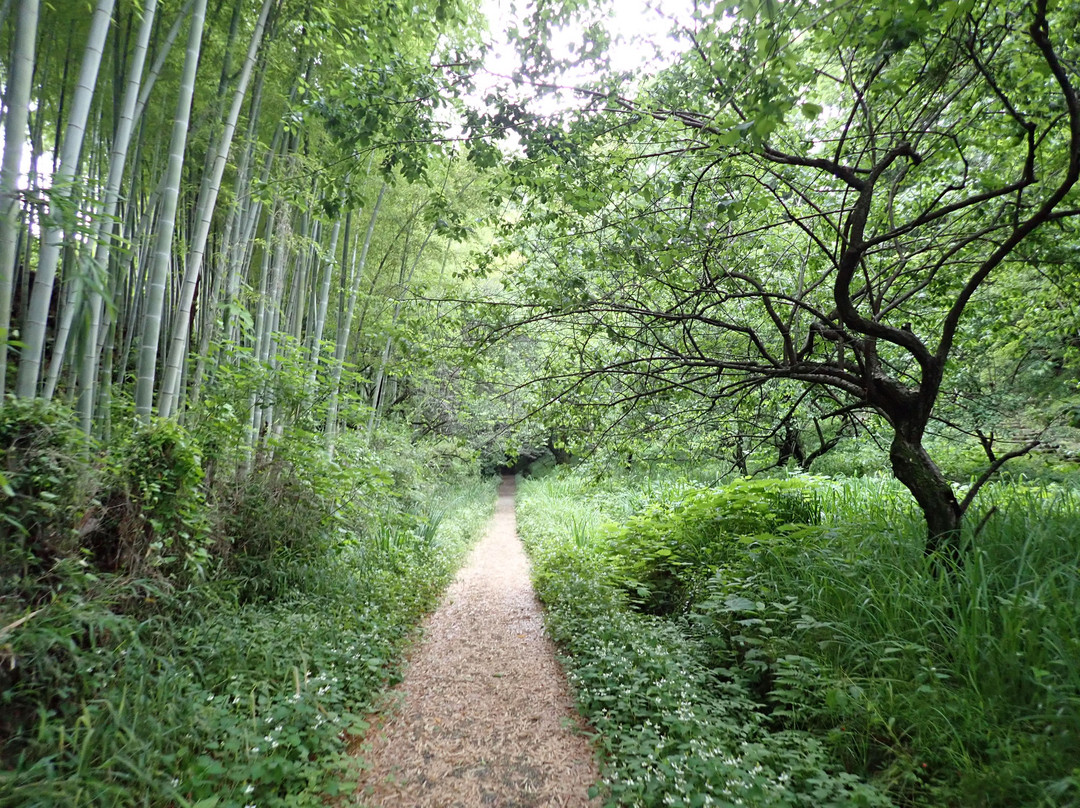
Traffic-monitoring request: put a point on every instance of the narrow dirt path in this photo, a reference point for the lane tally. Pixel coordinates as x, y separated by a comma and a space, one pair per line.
484, 716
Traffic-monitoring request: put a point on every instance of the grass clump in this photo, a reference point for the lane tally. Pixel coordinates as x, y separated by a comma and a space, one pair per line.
809, 655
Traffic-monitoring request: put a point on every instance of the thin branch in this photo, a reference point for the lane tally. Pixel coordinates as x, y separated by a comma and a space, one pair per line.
992, 470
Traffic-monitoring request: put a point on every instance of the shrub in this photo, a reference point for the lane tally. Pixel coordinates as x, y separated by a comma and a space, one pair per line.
836, 648
46, 483
663, 555
673, 729
199, 700
153, 517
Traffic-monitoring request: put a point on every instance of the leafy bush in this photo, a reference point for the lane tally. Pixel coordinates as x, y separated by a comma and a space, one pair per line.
840, 649
674, 730
151, 658
200, 701
153, 516
45, 483
663, 555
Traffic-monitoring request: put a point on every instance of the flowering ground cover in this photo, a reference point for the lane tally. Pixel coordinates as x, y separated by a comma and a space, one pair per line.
785, 642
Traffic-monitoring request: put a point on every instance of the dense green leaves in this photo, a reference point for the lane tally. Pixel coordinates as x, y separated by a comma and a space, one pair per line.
673, 729
663, 555
810, 193
155, 686
798, 227
817, 667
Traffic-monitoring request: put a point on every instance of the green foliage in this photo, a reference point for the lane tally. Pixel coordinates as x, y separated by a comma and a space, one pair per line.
830, 659
153, 514
938, 687
45, 480
683, 270
663, 555
672, 730
241, 681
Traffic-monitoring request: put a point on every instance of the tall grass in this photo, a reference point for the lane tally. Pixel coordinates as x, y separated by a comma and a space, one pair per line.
976, 675
942, 690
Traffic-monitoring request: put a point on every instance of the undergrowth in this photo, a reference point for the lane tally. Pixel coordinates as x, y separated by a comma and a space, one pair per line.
785, 642
229, 663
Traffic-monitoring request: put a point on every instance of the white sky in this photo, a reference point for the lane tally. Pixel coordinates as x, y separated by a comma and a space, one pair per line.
637, 28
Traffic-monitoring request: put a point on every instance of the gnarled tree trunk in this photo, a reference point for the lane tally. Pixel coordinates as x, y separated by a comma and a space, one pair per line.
921, 476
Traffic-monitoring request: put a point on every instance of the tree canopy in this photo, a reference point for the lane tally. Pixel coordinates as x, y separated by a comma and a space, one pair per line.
815, 193
795, 222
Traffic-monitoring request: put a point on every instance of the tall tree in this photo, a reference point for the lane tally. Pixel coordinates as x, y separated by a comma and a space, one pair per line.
813, 193
53, 239
16, 113
105, 232
208, 194
150, 330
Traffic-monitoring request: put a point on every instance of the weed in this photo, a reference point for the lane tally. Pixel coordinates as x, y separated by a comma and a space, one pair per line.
808, 654
225, 689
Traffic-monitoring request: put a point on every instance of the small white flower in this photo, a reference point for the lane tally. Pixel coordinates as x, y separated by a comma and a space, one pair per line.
249, 788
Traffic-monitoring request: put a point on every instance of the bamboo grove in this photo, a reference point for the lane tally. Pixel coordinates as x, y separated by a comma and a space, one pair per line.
206, 190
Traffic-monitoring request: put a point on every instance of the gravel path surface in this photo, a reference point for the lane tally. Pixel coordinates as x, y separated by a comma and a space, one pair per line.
484, 716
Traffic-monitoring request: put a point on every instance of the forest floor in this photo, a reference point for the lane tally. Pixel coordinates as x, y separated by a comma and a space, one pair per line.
484, 715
